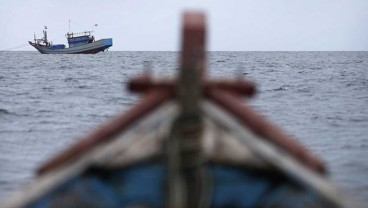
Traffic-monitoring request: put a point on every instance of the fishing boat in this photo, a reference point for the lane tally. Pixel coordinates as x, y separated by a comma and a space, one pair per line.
190, 141
79, 43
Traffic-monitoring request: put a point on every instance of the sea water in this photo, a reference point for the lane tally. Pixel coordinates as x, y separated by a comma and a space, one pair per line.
48, 101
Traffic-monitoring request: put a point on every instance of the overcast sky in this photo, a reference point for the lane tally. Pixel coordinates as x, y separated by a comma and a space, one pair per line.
233, 25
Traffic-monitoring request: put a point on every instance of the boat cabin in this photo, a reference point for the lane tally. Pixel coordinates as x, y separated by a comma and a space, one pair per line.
78, 39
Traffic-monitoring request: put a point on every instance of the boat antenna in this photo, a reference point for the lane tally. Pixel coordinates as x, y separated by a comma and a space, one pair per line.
34, 36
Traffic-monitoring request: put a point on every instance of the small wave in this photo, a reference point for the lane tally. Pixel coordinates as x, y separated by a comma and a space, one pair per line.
350, 84
364, 146
346, 62
272, 65
64, 67
347, 147
303, 72
48, 89
127, 103
70, 79
334, 118
304, 90
282, 88
354, 146
22, 93
359, 120
3, 183
43, 112
4, 111
362, 98
315, 117
315, 68
84, 87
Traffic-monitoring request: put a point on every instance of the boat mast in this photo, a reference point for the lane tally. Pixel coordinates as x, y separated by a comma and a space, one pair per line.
45, 35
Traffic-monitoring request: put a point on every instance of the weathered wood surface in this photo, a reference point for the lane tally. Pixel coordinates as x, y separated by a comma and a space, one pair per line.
222, 147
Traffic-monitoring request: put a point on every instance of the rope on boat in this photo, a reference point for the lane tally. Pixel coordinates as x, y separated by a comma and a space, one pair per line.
187, 181
15, 47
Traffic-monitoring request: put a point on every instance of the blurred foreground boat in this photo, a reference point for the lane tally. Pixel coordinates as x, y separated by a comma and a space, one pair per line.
189, 142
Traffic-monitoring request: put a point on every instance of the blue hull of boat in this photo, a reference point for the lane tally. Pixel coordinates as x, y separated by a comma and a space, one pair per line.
143, 184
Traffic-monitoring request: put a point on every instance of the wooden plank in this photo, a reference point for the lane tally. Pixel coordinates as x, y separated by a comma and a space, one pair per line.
222, 147
145, 83
144, 142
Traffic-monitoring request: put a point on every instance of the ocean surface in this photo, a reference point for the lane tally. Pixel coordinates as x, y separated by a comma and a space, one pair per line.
47, 101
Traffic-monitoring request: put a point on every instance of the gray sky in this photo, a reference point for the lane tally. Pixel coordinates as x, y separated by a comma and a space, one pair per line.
233, 25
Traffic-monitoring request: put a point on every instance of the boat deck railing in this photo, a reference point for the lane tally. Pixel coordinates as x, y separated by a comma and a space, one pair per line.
73, 35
